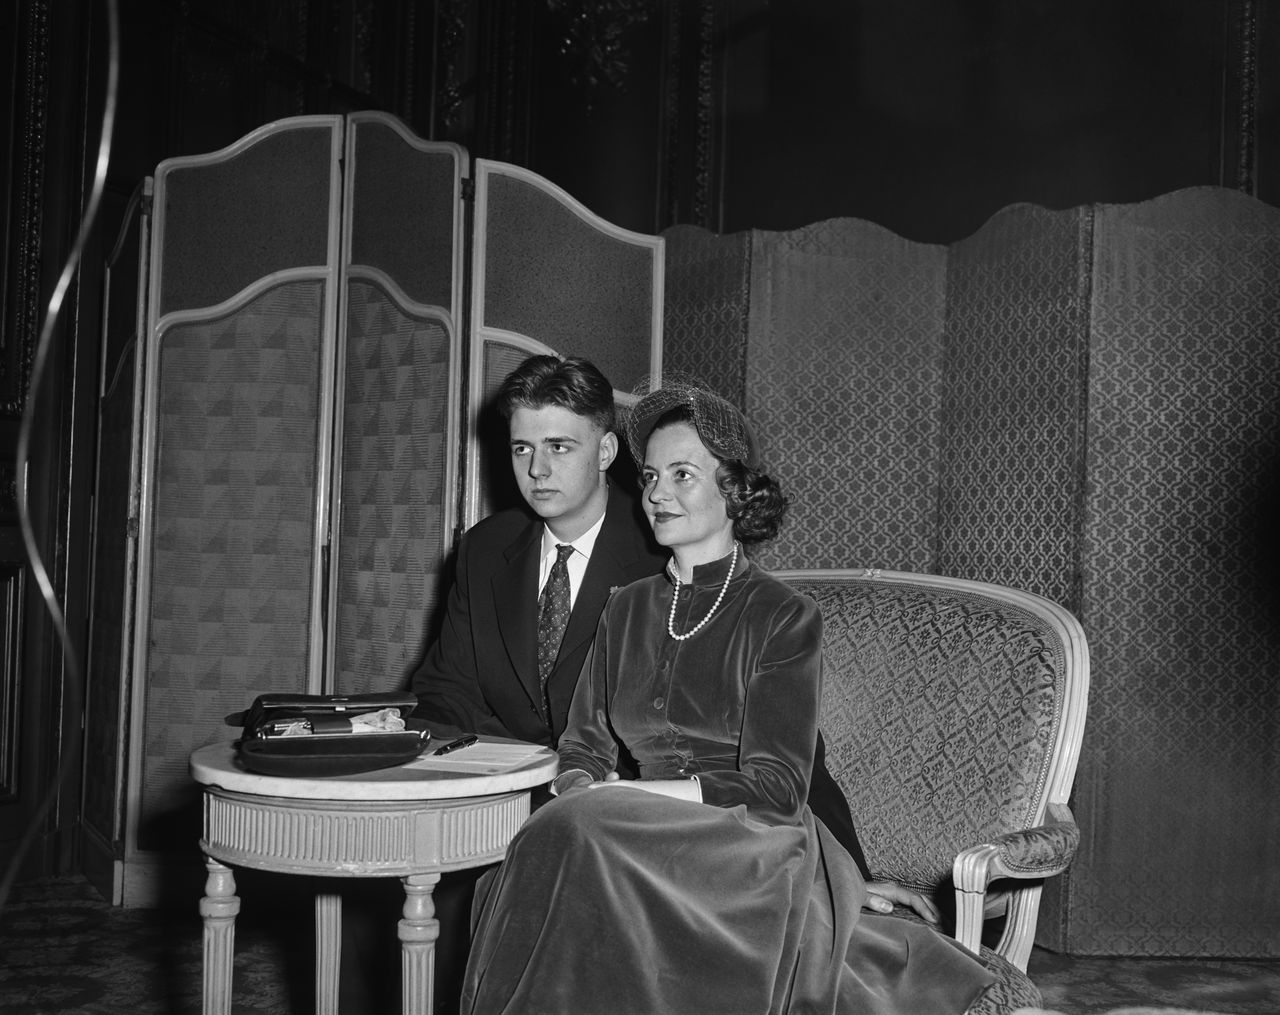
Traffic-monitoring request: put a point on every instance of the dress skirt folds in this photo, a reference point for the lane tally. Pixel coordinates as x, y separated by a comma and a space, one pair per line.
614, 901
618, 901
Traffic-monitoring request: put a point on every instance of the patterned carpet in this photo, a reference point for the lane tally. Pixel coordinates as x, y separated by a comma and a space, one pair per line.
64, 951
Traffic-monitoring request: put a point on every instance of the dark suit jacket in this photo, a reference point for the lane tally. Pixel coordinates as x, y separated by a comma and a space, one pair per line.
481, 675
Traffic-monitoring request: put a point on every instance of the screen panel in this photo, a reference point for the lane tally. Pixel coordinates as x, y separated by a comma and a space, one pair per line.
263, 205
228, 566
844, 351
399, 387
396, 498
1179, 591
404, 209
548, 274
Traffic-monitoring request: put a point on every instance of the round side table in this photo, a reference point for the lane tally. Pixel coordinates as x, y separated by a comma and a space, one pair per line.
411, 822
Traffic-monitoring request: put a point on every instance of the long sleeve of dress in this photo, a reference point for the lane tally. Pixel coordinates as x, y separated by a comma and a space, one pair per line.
625, 901
589, 743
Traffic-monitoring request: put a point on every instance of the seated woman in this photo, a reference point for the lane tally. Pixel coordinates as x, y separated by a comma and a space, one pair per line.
707, 885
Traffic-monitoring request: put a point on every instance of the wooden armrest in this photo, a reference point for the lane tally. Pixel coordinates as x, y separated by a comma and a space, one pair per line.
1037, 853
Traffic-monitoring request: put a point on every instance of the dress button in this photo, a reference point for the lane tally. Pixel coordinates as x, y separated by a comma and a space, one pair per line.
658, 702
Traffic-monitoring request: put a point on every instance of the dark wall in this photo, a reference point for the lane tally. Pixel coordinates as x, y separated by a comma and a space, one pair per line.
925, 116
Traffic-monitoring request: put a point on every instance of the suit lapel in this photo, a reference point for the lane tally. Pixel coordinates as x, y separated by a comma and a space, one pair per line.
606, 568
515, 587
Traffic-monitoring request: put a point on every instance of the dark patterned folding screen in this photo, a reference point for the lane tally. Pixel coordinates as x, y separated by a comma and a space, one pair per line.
1181, 583
831, 338
1084, 404
1012, 423
300, 432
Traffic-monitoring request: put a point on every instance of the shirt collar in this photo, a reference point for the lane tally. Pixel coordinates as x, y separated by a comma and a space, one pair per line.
584, 544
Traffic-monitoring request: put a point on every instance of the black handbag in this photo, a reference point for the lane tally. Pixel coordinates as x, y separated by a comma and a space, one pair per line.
313, 735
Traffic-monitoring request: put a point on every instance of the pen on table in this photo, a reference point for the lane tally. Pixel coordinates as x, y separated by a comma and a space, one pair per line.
455, 745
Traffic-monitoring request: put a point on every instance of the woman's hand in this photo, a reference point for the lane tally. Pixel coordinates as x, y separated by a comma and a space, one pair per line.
881, 896
680, 789
575, 778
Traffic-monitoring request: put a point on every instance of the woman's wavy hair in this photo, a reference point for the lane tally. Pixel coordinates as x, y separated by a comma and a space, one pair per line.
753, 500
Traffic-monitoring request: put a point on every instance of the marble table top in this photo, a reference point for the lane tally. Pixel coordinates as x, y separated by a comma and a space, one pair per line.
488, 767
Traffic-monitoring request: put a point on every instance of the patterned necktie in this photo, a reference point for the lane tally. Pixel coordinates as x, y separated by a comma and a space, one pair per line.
553, 617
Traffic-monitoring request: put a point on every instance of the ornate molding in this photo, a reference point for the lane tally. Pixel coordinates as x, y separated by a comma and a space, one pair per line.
1246, 119
704, 127
672, 58
31, 113
451, 33
13, 584
691, 110
591, 38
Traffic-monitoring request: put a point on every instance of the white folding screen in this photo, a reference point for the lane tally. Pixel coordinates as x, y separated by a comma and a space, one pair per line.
304, 427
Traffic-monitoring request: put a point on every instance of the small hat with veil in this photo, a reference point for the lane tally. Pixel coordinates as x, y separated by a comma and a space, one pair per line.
719, 423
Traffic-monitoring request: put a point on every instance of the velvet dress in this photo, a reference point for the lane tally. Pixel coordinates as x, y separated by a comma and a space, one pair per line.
616, 900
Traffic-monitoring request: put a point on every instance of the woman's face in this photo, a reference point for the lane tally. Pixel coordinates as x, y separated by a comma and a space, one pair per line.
681, 499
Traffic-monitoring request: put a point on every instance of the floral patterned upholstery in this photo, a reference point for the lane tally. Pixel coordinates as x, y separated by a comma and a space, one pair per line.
952, 713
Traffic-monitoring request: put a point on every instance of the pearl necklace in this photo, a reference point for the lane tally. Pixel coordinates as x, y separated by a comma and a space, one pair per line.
671, 617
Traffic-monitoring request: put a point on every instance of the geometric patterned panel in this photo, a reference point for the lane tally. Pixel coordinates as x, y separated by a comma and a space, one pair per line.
1014, 382
939, 709
705, 310
395, 441
1178, 780
232, 531
843, 389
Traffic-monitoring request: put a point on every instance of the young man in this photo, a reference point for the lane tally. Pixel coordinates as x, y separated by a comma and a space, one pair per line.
482, 673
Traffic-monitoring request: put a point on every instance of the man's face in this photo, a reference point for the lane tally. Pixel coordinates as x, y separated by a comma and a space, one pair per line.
559, 459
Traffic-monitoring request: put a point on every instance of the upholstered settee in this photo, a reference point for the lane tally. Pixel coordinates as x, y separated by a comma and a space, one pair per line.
953, 713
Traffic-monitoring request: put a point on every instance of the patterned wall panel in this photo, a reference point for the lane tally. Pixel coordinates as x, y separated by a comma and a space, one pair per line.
1177, 786
233, 525
1009, 496
395, 437
843, 387
708, 298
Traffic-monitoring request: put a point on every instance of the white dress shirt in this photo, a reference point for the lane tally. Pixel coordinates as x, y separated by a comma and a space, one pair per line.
577, 563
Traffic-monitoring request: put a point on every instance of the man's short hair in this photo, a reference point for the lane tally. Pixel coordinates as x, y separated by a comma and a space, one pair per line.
574, 384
